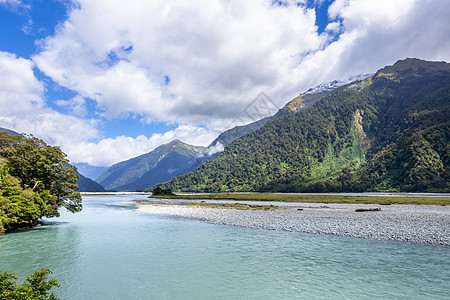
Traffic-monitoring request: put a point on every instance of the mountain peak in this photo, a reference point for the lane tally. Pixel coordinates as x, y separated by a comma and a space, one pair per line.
175, 142
329, 86
414, 67
159, 165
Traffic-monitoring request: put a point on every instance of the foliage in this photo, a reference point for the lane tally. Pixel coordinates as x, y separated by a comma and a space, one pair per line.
159, 191
34, 182
36, 286
401, 145
320, 198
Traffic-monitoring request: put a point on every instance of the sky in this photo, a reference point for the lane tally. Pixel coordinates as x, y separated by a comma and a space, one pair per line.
107, 80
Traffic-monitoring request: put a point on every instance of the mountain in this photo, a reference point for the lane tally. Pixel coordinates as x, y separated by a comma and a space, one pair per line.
301, 102
88, 185
159, 165
89, 171
9, 131
389, 132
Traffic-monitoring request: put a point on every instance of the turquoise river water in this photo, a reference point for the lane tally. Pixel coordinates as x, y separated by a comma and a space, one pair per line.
112, 251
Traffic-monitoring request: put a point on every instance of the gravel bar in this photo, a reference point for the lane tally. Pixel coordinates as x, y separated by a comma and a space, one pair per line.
424, 224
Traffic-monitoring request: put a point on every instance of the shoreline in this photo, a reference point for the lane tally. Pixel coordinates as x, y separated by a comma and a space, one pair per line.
429, 224
349, 198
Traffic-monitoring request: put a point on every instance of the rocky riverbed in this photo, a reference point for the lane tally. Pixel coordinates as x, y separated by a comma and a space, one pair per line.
426, 224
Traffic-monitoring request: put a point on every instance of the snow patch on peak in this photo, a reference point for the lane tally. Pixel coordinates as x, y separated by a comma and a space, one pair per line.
329, 86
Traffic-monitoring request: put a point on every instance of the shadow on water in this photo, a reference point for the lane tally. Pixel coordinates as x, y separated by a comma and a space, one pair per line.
53, 223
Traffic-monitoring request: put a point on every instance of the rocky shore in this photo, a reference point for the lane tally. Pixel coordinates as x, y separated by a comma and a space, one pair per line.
425, 224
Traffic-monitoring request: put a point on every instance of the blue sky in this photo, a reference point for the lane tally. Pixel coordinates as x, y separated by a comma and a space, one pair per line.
108, 80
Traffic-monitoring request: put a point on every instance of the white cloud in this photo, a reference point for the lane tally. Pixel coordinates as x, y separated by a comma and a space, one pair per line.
10, 2
214, 149
333, 27
216, 55
378, 33
201, 63
24, 108
20, 91
110, 151
77, 105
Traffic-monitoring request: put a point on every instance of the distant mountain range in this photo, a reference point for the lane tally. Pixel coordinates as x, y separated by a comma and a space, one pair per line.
388, 132
161, 164
152, 168
92, 172
86, 184
9, 131
383, 132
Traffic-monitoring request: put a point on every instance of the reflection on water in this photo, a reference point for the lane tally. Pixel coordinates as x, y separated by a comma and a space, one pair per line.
111, 251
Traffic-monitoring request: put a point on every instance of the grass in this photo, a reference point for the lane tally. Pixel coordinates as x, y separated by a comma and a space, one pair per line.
240, 206
313, 198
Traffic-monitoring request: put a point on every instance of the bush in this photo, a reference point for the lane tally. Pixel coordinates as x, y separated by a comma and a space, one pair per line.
162, 192
36, 286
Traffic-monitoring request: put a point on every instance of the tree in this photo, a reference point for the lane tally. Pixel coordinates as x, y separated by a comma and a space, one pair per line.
162, 192
36, 286
35, 181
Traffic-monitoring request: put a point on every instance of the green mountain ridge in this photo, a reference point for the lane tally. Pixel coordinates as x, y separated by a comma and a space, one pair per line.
303, 101
159, 165
389, 132
86, 184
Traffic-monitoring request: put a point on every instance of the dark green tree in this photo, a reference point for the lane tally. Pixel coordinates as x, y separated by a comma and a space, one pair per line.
35, 181
36, 286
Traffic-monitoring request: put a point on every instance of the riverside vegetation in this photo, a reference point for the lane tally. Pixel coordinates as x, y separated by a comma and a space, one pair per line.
311, 198
35, 181
389, 132
36, 286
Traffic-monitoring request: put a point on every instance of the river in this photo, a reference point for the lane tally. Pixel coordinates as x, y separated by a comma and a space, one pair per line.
112, 251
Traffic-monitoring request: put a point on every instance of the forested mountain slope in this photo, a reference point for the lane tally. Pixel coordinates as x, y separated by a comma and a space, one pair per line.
303, 101
159, 165
86, 184
389, 132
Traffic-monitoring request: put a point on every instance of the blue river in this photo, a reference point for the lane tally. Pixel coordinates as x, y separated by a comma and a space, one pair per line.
112, 251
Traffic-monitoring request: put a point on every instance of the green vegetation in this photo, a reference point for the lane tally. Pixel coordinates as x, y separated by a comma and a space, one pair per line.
313, 198
159, 165
386, 133
162, 192
88, 185
36, 286
34, 182
240, 206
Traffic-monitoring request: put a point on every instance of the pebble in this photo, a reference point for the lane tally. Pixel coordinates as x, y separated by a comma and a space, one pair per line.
424, 224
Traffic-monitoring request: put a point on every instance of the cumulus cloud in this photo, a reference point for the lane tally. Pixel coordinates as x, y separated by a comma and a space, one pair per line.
214, 149
112, 150
202, 62
378, 33
24, 108
77, 105
190, 62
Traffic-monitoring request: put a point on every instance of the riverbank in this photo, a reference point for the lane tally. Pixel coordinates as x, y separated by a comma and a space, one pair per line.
424, 224
365, 198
